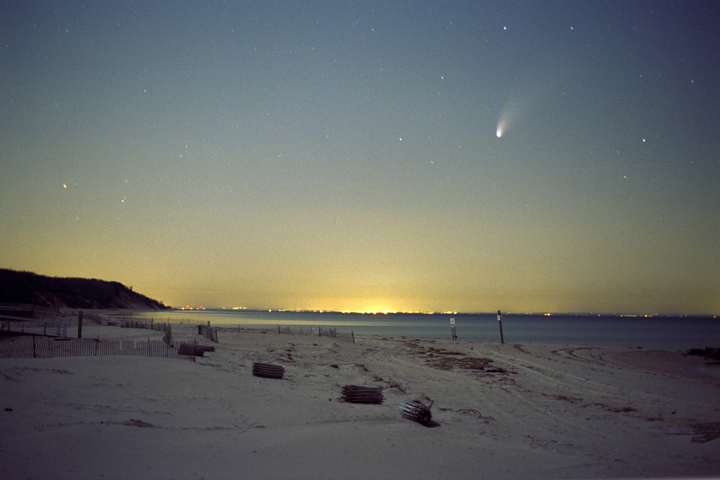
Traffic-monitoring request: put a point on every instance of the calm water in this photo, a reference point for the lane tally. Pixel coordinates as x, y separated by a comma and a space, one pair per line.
667, 333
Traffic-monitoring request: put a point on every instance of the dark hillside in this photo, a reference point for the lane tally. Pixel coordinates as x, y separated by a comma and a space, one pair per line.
57, 292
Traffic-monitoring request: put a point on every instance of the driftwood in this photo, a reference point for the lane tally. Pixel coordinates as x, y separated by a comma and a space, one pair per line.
267, 370
704, 432
416, 411
356, 394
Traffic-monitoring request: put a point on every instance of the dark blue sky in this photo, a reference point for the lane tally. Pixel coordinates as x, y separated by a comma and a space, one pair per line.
345, 155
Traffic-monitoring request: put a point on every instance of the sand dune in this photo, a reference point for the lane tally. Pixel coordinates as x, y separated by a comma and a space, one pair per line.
544, 411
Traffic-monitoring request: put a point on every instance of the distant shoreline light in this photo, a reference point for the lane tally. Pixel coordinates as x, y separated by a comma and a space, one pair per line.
445, 312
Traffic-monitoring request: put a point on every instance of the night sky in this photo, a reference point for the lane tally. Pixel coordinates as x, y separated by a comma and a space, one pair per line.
527, 156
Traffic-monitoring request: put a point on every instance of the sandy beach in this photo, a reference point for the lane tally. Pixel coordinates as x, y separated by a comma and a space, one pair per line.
541, 411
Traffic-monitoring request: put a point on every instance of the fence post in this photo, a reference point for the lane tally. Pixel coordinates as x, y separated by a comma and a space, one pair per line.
80, 315
499, 319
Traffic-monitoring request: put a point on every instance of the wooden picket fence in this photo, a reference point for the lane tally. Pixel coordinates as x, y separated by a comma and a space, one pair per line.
208, 332
158, 327
46, 347
37, 327
319, 331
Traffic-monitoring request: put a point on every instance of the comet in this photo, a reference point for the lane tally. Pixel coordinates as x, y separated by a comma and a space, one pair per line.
506, 120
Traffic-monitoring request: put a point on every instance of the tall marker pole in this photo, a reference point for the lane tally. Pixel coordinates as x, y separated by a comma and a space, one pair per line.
500, 323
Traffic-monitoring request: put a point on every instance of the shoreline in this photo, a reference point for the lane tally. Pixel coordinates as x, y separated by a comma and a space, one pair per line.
666, 333
546, 411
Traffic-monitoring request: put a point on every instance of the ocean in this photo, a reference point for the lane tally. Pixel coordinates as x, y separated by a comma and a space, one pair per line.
664, 333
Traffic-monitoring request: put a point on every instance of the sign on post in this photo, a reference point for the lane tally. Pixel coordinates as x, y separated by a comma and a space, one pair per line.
452, 329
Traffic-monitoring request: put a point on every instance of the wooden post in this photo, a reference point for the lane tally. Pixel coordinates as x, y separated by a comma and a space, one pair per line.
499, 318
80, 315
353, 335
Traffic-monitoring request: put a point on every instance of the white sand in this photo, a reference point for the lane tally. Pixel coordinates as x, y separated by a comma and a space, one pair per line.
556, 412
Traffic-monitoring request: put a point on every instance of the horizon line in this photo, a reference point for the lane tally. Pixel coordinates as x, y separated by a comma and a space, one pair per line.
443, 312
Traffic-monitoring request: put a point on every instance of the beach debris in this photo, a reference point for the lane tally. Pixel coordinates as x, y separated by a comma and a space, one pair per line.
267, 370
194, 349
450, 361
357, 394
416, 411
707, 352
702, 432
399, 386
138, 423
